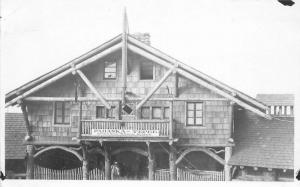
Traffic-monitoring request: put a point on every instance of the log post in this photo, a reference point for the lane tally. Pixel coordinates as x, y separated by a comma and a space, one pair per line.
124, 56
176, 85
150, 162
172, 164
107, 163
171, 120
80, 121
227, 168
30, 162
85, 167
27, 124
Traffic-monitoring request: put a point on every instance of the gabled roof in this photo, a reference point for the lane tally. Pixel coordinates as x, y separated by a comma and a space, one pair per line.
263, 143
147, 51
276, 99
15, 133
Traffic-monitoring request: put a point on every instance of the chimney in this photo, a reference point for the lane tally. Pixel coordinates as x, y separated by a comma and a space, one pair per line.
143, 37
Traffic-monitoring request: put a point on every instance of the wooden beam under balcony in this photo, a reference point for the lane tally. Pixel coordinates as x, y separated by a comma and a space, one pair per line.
169, 72
90, 85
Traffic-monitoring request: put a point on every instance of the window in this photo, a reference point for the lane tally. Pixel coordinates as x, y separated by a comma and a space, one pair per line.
156, 113
166, 112
194, 114
110, 70
272, 110
100, 112
61, 113
110, 112
145, 112
288, 110
146, 71
282, 110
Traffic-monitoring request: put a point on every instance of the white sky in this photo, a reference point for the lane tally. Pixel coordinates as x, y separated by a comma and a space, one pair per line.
253, 46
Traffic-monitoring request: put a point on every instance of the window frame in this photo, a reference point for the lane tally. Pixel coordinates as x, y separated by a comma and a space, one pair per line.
153, 71
63, 123
115, 78
194, 118
106, 112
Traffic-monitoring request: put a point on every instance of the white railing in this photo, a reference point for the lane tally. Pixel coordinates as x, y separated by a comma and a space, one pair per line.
121, 128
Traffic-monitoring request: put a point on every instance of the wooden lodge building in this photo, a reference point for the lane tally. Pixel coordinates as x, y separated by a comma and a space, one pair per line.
126, 103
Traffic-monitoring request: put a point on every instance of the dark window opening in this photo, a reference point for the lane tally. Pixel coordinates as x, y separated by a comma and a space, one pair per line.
62, 113
110, 70
146, 71
194, 114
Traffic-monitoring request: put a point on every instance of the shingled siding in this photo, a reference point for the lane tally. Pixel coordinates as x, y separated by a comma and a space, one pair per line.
217, 114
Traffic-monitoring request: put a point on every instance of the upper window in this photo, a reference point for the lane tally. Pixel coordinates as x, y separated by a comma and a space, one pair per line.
146, 71
145, 112
194, 114
102, 112
166, 112
62, 113
156, 113
110, 70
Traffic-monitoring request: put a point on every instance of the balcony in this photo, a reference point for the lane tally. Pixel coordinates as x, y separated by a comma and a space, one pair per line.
133, 129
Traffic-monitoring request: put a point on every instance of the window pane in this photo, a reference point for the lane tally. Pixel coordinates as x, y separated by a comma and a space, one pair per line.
146, 71
272, 110
110, 70
283, 110
145, 112
58, 119
110, 113
198, 106
191, 114
199, 113
156, 113
277, 112
190, 121
198, 121
288, 110
100, 112
67, 119
166, 113
190, 106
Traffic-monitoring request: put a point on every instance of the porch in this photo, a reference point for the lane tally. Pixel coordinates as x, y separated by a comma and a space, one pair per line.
104, 128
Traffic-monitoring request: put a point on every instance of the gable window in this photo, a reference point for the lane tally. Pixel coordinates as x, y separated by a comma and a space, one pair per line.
166, 112
156, 113
146, 71
102, 112
62, 113
145, 112
110, 70
194, 114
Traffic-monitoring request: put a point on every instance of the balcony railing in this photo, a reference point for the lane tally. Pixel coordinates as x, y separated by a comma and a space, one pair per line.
121, 128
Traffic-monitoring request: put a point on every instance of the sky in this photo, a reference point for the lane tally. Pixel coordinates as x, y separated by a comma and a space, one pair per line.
251, 45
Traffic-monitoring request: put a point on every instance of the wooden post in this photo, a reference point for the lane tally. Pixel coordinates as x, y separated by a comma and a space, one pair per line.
80, 121
85, 168
107, 163
124, 56
227, 168
176, 85
25, 116
171, 120
30, 162
172, 164
150, 162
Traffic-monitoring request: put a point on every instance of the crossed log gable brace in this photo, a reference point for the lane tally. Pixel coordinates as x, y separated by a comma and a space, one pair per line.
194, 71
196, 79
59, 147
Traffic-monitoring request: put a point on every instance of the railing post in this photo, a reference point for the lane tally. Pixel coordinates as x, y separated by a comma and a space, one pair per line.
171, 120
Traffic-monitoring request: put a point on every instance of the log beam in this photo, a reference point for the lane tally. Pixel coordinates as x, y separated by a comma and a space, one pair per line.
176, 93
30, 162
94, 90
157, 86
